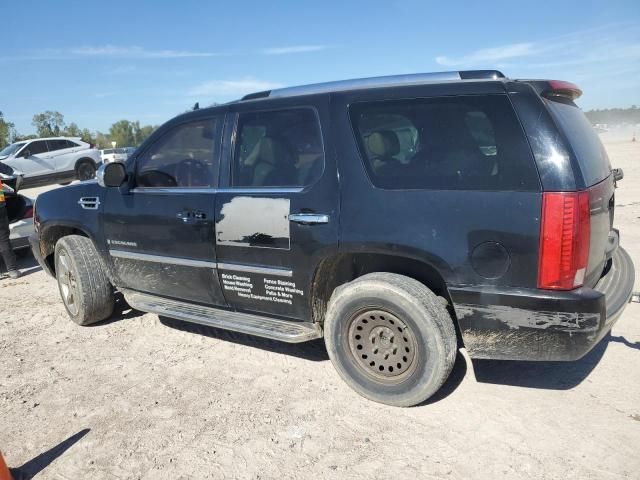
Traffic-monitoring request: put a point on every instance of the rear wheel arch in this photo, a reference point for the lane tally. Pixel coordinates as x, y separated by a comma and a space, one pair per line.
84, 161
339, 269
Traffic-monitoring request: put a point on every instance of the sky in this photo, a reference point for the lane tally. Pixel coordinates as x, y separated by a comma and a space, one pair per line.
100, 62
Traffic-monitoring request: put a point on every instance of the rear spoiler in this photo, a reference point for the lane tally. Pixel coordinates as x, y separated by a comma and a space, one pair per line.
555, 88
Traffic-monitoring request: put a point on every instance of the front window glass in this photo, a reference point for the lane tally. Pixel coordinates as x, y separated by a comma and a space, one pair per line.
37, 147
183, 157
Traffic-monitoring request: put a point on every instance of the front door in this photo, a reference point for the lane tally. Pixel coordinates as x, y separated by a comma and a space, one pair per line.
160, 234
277, 215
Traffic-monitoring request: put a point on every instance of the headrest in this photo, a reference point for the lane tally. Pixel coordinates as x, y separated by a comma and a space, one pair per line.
271, 151
384, 143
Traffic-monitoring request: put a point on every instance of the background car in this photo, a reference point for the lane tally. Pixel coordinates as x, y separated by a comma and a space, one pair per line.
20, 213
45, 161
116, 154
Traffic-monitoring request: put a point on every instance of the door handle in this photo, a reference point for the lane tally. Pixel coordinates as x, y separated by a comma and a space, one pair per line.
185, 216
309, 218
188, 216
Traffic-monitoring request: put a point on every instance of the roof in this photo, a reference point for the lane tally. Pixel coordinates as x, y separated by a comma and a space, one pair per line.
374, 82
50, 138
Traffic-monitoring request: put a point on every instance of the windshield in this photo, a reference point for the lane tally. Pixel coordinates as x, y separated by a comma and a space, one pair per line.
11, 149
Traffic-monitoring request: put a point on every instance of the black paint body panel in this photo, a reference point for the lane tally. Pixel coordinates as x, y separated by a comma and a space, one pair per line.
500, 312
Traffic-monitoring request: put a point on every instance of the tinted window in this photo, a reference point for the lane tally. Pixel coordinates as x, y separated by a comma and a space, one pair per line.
58, 144
278, 149
591, 155
464, 142
182, 157
37, 147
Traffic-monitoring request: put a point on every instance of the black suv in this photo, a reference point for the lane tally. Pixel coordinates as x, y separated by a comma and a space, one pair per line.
396, 217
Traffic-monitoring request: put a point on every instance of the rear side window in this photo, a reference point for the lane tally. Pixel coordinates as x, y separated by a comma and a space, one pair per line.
58, 145
281, 148
590, 153
463, 142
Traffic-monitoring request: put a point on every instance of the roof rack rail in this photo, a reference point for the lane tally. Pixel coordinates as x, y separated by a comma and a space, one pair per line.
373, 82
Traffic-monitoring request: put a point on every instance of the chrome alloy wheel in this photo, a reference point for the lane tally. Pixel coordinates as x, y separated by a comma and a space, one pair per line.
67, 282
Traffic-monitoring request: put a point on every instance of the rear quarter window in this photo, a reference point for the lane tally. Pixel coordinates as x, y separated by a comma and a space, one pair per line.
587, 147
447, 143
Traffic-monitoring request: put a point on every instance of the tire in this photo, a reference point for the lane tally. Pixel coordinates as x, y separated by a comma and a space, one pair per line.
85, 170
84, 287
416, 339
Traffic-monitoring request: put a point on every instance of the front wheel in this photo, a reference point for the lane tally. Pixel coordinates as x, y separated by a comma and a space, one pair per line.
85, 170
84, 287
390, 338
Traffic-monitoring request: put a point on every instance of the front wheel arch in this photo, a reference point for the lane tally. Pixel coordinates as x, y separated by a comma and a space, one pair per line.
85, 160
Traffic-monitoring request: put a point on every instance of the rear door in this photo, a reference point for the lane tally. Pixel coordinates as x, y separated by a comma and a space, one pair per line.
160, 235
277, 213
61, 152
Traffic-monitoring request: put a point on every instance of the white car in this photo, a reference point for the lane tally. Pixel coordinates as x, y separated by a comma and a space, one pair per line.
20, 213
109, 155
45, 161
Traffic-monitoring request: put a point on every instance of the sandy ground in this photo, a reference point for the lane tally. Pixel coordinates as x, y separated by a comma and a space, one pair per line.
149, 398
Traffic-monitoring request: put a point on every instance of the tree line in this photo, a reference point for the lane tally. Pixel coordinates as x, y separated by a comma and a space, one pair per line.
125, 133
615, 116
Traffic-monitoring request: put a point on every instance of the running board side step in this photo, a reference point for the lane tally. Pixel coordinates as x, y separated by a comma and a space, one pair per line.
251, 324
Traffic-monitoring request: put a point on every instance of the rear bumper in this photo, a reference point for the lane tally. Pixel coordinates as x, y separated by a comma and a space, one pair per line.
532, 324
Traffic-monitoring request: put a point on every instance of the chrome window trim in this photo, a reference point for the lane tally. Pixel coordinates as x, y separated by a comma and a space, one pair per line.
178, 190
280, 272
262, 190
187, 262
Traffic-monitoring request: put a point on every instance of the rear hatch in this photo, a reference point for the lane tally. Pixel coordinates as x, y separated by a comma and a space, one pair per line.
592, 170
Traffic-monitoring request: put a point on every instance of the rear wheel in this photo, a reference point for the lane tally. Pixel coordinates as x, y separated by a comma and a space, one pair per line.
82, 281
86, 170
390, 338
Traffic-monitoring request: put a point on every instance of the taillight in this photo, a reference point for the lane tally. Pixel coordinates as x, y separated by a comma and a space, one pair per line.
564, 240
28, 213
560, 88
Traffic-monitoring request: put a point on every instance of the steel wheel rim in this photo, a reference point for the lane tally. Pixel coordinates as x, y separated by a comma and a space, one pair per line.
382, 345
68, 283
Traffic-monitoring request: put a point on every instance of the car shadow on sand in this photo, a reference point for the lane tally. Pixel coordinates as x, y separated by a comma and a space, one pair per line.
121, 311
540, 375
34, 466
313, 350
544, 375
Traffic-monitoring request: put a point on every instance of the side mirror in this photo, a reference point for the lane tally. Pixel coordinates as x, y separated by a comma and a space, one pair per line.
111, 174
26, 153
